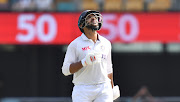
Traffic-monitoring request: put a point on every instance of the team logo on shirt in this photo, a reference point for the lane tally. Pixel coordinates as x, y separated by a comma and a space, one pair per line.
104, 56
102, 48
86, 48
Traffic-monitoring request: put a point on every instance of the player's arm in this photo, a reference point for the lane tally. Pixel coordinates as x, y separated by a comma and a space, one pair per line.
111, 78
109, 66
116, 91
74, 67
70, 65
70, 59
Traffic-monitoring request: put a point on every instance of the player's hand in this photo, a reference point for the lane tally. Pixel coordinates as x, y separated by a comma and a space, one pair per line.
92, 57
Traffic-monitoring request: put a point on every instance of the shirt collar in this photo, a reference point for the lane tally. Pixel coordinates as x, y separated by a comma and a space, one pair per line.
85, 38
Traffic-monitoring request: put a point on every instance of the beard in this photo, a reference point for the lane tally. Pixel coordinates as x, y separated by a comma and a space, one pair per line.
93, 27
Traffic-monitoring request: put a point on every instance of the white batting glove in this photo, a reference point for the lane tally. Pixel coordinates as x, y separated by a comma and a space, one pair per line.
98, 57
116, 92
91, 58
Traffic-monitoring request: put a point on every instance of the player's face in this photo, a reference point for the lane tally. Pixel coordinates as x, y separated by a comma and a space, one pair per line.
92, 20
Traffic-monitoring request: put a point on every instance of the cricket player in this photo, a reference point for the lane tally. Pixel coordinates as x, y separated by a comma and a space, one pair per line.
88, 58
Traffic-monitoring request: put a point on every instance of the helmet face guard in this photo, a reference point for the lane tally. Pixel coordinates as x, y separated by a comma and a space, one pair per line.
82, 22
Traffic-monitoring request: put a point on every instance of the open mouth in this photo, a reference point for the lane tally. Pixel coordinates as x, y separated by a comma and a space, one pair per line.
94, 23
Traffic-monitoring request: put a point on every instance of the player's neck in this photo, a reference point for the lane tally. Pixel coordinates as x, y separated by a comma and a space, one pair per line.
91, 35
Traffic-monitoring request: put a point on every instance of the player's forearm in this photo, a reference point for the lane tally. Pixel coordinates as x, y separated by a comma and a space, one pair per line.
74, 67
111, 78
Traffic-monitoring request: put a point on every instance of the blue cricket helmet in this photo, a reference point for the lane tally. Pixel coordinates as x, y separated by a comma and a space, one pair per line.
82, 19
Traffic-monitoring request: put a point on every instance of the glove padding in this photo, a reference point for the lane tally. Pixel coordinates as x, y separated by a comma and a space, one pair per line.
92, 57
116, 92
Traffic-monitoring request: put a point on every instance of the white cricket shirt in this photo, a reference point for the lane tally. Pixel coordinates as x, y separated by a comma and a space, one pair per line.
91, 74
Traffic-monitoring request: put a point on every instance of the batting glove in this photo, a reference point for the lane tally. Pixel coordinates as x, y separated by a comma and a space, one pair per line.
98, 57
116, 92
91, 58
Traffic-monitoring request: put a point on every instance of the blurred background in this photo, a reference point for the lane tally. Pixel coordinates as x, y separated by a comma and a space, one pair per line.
145, 37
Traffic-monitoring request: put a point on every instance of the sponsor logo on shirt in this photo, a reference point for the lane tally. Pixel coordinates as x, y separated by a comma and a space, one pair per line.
86, 48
